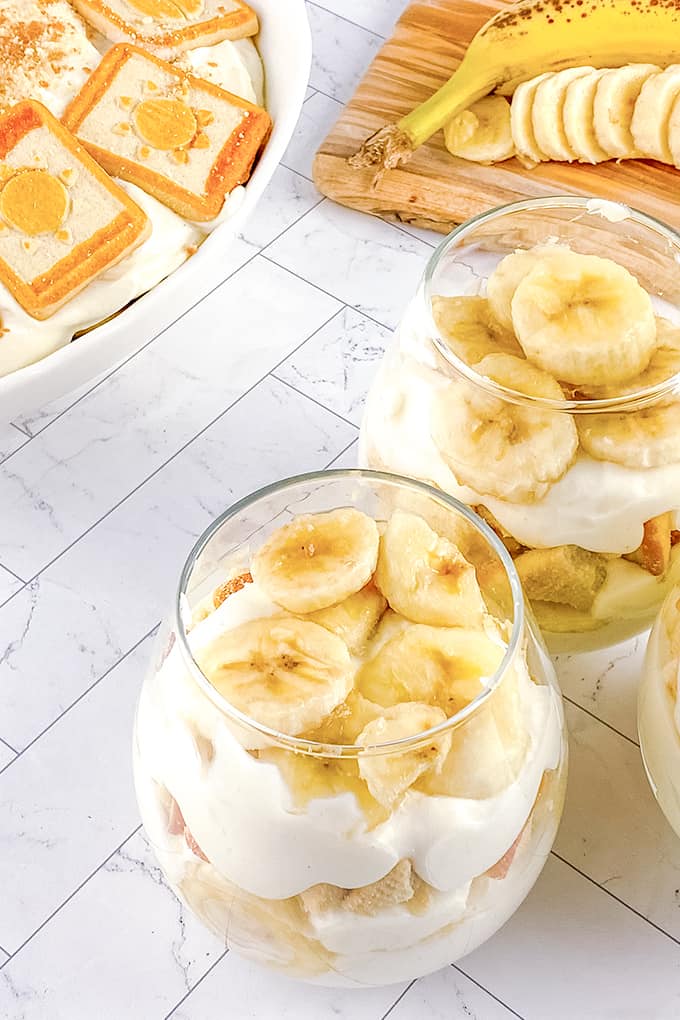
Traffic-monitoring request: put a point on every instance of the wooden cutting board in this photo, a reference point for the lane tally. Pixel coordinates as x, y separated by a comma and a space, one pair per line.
434, 189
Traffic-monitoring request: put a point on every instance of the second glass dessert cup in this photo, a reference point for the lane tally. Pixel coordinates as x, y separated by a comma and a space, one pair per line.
536, 377
659, 709
388, 836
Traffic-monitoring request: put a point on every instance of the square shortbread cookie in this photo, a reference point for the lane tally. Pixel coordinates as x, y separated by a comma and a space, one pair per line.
63, 221
183, 140
169, 26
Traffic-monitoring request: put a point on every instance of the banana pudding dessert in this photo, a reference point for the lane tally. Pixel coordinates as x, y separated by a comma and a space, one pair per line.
172, 143
659, 709
538, 382
350, 756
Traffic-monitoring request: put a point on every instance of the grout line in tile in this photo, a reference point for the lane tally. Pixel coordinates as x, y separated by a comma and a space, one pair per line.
312, 92
618, 899
170, 325
304, 176
19, 429
14, 751
403, 227
13, 573
592, 715
328, 293
80, 697
490, 994
341, 454
341, 17
318, 403
72, 894
194, 987
176, 454
396, 1002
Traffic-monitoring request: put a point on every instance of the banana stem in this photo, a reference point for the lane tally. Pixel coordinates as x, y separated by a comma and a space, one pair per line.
395, 143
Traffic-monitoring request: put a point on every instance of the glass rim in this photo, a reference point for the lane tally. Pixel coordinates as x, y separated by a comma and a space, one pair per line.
336, 751
626, 402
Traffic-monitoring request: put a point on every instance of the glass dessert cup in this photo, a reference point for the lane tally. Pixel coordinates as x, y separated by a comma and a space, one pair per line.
387, 838
659, 709
543, 390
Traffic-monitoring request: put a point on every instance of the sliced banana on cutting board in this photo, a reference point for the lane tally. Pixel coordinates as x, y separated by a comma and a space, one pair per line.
617, 93
652, 113
582, 114
579, 118
547, 113
482, 133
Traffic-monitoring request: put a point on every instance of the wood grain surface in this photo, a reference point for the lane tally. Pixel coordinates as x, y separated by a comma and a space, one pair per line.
434, 189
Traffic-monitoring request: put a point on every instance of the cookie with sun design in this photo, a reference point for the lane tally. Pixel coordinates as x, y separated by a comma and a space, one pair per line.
63, 221
167, 27
183, 140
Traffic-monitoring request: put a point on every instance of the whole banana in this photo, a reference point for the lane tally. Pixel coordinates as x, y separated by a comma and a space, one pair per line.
523, 41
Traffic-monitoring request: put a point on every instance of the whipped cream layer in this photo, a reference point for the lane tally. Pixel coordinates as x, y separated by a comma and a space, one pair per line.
61, 33
244, 816
235, 67
597, 505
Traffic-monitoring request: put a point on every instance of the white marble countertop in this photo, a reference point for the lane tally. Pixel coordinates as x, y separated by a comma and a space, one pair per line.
100, 499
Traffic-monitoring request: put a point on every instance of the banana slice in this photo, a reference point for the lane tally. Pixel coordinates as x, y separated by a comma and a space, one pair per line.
652, 113
579, 119
585, 319
548, 110
521, 121
615, 98
437, 665
500, 448
345, 723
470, 330
508, 275
481, 133
636, 439
287, 674
388, 776
558, 618
317, 560
424, 577
355, 619
664, 363
489, 749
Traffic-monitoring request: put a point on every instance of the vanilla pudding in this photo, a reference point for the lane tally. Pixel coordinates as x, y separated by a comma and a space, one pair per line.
47, 53
539, 387
350, 756
659, 709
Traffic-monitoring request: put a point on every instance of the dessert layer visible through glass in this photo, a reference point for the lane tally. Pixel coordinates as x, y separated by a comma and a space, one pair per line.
535, 377
349, 754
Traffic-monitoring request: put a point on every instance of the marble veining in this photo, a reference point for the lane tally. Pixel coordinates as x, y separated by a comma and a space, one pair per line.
101, 496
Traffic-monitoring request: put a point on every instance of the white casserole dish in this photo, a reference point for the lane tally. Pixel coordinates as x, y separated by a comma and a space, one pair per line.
285, 45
